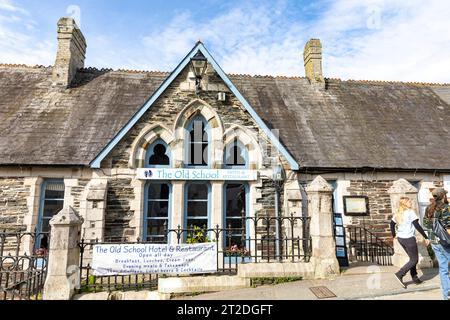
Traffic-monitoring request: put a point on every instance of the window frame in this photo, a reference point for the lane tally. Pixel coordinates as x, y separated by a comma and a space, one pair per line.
187, 145
186, 201
145, 234
244, 154
42, 199
150, 152
247, 221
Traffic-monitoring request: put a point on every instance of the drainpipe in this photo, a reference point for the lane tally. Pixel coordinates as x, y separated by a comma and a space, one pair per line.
305, 214
277, 225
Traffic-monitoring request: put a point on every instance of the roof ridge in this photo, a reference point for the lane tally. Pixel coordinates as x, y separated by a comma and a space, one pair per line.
18, 65
165, 73
153, 72
264, 76
416, 83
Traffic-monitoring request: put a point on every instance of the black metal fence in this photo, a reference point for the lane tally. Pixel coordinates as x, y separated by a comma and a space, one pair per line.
22, 274
89, 282
366, 247
257, 242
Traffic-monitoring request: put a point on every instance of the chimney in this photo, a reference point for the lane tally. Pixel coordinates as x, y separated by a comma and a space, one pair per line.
313, 61
71, 52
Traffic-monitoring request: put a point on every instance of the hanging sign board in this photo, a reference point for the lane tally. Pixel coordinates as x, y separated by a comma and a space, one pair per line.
197, 174
130, 259
339, 234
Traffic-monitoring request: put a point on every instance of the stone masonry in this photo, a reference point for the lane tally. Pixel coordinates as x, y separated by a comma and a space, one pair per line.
379, 205
13, 203
165, 111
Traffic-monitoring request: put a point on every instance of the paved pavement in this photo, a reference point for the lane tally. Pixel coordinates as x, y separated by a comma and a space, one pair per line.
362, 282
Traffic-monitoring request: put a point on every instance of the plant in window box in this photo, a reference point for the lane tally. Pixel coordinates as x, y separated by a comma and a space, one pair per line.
39, 260
197, 235
235, 251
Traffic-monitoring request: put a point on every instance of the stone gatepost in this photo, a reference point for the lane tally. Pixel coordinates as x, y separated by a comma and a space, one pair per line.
321, 228
402, 188
64, 255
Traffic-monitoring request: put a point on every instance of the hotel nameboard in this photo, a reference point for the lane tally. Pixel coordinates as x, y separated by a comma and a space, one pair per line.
197, 174
130, 259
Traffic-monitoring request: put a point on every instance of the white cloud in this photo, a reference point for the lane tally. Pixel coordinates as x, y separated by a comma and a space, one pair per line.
362, 39
411, 42
379, 40
19, 41
243, 40
8, 5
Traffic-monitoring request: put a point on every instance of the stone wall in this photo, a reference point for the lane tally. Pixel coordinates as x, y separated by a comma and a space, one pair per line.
13, 203
166, 109
118, 211
77, 191
379, 205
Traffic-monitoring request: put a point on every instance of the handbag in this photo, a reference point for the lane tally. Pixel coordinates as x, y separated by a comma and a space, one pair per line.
441, 232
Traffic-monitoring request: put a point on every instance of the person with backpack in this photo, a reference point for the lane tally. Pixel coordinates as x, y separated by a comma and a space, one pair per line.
439, 209
403, 225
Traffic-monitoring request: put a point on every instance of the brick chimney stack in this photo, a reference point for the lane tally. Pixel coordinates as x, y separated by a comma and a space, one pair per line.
71, 52
313, 61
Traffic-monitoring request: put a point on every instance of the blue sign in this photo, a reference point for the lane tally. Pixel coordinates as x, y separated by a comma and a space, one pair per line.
339, 234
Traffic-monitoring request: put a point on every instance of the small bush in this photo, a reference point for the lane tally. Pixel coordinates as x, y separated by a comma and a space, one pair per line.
273, 281
197, 236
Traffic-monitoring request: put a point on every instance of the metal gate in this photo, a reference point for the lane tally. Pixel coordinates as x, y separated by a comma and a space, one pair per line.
23, 265
364, 246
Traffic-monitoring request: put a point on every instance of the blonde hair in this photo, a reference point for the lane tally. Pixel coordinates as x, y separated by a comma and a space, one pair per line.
405, 204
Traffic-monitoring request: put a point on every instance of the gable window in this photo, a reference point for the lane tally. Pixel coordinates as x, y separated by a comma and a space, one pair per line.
235, 155
197, 205
157, 210
158, 155
52, 202
198, 139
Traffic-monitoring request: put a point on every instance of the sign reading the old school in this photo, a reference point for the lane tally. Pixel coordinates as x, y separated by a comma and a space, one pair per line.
197, 174
131, 259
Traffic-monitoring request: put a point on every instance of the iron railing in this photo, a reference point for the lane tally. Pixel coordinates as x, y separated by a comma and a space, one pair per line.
22, 274
366, 247
255, 243
88, 282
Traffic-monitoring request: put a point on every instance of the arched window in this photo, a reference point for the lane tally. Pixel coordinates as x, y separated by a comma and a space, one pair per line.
236, 155
157, 207
198, 140
197, 205
158, 155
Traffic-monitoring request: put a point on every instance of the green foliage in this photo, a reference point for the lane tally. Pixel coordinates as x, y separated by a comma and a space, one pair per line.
273, 281
198, 235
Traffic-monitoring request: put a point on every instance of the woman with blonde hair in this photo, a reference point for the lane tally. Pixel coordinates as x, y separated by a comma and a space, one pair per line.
404, 224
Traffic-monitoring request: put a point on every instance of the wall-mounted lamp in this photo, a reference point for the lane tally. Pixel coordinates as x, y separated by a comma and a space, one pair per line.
199, 64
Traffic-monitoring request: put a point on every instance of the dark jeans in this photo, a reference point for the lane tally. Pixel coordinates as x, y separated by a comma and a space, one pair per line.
410, 246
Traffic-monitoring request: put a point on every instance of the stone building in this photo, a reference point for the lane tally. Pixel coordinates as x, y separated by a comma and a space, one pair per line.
137, 152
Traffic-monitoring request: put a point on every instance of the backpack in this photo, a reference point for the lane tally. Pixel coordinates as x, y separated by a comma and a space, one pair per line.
440, 231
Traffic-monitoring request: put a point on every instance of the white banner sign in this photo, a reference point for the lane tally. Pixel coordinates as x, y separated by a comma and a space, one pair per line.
131, 259
197, 174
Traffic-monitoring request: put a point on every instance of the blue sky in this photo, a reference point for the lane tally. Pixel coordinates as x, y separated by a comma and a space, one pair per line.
362, 39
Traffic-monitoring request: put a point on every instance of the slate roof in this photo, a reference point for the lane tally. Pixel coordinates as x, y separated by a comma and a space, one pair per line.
349, 124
